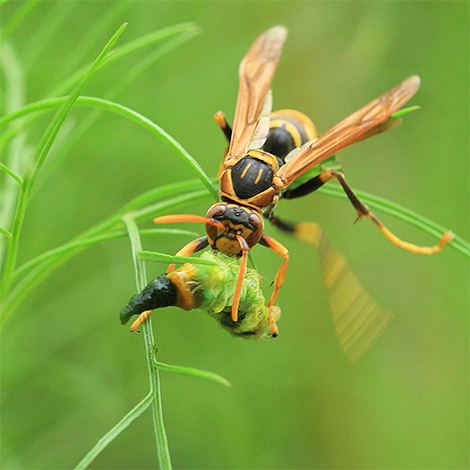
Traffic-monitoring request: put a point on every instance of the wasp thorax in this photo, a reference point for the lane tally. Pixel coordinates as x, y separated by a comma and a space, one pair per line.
237, 220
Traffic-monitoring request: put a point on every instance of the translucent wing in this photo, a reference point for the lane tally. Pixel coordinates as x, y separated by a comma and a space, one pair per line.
368, 121
256, 73
358, 320
262, 127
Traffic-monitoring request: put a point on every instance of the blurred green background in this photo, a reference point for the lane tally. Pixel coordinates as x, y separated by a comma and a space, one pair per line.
70, 371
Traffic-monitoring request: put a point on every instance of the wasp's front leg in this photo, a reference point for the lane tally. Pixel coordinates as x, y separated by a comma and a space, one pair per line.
189, 249
282, 251
219, 118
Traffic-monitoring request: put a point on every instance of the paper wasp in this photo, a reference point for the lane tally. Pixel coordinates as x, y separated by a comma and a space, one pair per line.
268, 151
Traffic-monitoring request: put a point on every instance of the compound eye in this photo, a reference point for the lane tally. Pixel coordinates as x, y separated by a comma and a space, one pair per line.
216, 211
255, 221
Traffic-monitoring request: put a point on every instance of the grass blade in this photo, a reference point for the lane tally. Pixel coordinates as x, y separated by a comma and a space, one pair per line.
203, 374
163, 257
17, 18
114, 432
43, 150
11, 173
86, 242
130, 114
163, 451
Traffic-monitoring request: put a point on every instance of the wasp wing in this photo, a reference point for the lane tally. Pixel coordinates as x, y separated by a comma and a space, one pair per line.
358, 320
262, 127
256, 73
367, 121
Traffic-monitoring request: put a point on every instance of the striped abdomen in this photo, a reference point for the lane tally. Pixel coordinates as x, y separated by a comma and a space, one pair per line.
288, 129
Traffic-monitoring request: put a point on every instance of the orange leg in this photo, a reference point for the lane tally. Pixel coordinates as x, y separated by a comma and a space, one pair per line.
363, 211
140, 319
219, 118
189, 249
279, 279
236, 297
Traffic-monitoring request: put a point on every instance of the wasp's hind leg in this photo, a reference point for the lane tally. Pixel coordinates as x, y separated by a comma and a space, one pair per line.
363, 211
219, 118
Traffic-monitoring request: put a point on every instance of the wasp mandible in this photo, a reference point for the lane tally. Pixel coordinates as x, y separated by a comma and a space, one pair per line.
268, 151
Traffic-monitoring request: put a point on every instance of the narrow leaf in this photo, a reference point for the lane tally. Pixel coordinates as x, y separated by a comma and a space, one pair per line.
204, 374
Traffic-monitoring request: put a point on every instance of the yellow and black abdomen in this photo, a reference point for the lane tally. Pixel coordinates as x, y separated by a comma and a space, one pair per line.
288, 129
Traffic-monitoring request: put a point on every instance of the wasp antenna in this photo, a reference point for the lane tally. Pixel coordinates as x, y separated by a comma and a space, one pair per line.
168, 219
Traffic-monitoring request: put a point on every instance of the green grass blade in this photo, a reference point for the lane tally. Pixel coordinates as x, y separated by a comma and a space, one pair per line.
86, 242
43, 149
125, 50
93, 36
24, 286
163, 451
203, 374
17, 18
404, 111
134, 72
18, 156
129, 114
5, 233
115, 431
11, 173
133, 46
164, 258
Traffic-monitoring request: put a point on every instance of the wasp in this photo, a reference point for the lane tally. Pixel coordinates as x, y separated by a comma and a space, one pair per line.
267, 151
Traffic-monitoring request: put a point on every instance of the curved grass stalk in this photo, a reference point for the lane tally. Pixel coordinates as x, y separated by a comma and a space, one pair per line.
203, 374
163, 451
85, 242
125, 112
164, 258
16, 19
37, 274
115, 431
11, 173
172, 42
43, 149
133, 46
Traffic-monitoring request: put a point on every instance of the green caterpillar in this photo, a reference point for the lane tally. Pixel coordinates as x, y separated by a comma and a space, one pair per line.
209, 288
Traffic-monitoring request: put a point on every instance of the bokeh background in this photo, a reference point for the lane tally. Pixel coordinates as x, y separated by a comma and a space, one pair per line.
70, 371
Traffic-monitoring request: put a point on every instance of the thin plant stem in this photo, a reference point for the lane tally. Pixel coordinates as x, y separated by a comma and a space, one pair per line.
115, 431
11, 173
43, 150
25, 285
85, 242
121, 110
163, 451
203, 374
164, 258
22, 11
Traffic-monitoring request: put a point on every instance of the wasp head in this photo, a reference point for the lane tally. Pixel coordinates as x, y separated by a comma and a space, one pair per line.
237, 220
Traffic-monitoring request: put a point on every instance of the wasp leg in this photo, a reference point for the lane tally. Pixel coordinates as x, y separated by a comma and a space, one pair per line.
189, 249
219, 118
281, 250
358, 320
140, 319
236, 297
363, 211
